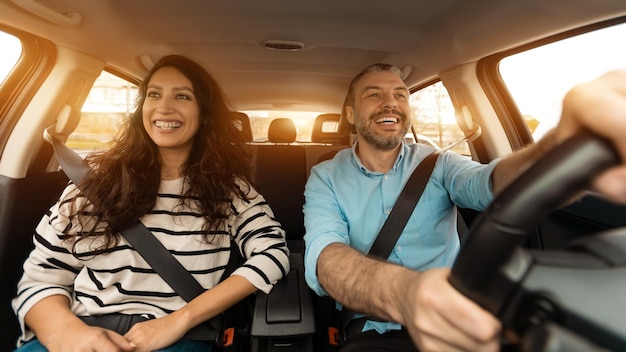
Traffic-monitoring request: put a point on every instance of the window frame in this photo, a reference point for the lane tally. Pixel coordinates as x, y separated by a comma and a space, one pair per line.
20, 85
508, 113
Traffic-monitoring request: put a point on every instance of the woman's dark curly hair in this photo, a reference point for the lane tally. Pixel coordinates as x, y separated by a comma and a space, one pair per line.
126, 178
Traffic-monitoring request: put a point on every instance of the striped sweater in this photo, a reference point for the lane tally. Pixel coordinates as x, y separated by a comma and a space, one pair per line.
120, 281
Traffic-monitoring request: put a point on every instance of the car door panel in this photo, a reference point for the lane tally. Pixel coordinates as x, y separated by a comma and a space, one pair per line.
23, 202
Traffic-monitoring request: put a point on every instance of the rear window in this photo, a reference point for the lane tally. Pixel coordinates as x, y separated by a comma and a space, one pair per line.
260, 121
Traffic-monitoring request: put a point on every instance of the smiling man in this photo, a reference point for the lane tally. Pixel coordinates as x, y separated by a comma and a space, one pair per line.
407, 298
348, 199
381, 129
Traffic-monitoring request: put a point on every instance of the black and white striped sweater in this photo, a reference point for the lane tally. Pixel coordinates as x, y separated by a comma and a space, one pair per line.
120, 281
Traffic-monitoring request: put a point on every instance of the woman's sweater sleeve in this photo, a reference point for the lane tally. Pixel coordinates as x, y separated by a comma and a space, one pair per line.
261, 240
50, 268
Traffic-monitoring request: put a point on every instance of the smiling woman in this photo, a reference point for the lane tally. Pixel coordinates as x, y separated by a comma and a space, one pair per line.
187, 173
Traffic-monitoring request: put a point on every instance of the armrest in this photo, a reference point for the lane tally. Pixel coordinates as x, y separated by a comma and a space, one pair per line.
288, 309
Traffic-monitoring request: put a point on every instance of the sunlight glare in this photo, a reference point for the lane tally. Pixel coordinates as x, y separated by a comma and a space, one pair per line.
11, 51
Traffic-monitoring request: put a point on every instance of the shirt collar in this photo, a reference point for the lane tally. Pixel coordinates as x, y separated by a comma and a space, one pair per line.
367, 172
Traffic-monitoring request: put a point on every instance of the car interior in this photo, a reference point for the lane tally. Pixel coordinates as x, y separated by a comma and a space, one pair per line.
486, 78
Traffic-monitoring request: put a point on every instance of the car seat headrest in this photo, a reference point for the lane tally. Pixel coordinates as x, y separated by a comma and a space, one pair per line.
327, 129
242, 123
330, 129
282, 130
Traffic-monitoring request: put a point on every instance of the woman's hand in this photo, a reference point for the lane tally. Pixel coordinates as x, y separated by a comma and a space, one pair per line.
154, 334
68, 332
87, 338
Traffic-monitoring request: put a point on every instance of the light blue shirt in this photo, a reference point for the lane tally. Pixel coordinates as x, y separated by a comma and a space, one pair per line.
347, 203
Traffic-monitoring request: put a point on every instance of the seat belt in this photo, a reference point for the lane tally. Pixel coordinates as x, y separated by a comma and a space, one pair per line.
396, 221
140, 238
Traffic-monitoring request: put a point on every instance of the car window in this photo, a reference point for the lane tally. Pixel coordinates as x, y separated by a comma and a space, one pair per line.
11, 51
110, 101
539, 78
433, 118
260, 121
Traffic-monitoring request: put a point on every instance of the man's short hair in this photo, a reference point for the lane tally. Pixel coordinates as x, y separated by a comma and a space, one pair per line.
378, 67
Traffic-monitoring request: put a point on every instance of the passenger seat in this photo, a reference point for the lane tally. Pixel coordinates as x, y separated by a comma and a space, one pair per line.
282, 168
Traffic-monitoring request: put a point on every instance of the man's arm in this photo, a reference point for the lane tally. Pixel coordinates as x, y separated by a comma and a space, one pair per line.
514, 164
355, 281
434, 313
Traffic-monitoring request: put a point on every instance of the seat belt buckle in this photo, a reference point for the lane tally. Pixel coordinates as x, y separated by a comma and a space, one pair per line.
333, 336
229, 337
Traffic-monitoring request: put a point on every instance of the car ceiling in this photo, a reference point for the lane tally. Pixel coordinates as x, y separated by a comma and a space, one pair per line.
340, 38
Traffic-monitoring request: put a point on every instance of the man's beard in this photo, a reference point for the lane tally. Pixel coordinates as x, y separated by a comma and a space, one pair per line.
381, 142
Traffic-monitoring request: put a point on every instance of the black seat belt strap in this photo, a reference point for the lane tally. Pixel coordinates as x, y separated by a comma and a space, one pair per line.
396, 221
162, 261
403, 208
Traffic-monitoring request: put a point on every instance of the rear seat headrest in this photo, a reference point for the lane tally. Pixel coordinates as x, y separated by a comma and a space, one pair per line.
242, 122
282, 130
337, 134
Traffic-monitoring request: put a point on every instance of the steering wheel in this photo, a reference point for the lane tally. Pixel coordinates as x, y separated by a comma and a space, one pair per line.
567, 300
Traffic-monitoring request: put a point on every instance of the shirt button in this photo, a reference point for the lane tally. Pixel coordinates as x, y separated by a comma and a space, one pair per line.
386, 177
399, 248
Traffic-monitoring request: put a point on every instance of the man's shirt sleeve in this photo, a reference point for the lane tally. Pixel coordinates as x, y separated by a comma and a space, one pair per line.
324, 221
468, 182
